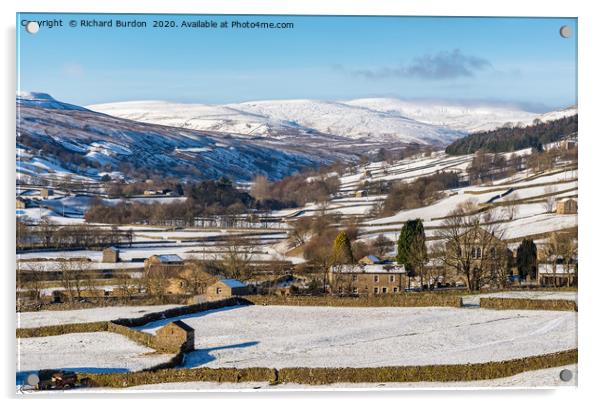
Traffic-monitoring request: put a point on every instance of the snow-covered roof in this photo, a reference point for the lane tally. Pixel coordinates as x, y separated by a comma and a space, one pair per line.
232, 283
373, 258
369, 268
547, 268
169, 258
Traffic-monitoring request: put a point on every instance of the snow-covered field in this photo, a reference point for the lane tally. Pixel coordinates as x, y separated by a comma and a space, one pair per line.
45, 318
93, 352
280, 336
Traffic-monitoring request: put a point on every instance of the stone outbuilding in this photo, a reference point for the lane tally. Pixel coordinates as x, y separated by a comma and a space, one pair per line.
46, 192
110, 255
175, 337
566, 207
164, 260
226, 288
21, 203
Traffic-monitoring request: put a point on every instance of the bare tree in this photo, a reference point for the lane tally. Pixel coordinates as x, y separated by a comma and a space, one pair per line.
473, 247
156, 280
237, 259
68, 277
510, 208
550, 200
301, 231
561, 246
35, 278
197, 278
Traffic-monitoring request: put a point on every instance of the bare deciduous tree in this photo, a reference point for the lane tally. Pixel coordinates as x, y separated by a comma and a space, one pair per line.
237, 259
473, 247
550, 200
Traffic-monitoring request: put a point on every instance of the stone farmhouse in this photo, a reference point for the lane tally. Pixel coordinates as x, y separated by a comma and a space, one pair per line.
371, 276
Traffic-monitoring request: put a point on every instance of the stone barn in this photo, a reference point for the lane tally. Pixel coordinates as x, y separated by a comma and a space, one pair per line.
226, 288
164, 260
21, 203
110, 255
175, 337
566, 207
46, 192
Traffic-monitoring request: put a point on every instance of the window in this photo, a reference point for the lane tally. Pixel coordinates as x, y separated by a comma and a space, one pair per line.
354, 277
395, 289
376, 279
375, 290
384, 290
391, 279
355, 291
340, 290
218, 290
478, 252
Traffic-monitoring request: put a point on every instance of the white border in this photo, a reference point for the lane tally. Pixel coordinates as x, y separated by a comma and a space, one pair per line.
590, 148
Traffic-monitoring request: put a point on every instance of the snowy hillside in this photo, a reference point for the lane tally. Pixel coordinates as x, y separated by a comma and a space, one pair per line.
58, 139
558, 114
355, 123
44, 100
384, 119
351, 121
462, 117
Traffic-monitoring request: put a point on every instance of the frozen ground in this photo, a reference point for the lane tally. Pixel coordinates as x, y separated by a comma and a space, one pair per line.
84, 352
536, 378
44, 318
280, 336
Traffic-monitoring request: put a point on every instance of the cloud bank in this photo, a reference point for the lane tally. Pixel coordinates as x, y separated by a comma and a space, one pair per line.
443, 65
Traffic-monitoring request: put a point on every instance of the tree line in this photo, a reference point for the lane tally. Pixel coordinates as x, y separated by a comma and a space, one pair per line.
512, 138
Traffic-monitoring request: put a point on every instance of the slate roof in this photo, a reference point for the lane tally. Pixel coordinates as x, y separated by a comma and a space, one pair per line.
169, 258
232, 283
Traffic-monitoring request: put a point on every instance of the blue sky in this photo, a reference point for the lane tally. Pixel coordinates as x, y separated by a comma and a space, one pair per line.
517, 60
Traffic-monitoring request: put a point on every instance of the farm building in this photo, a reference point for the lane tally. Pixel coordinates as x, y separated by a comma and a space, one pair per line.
46, 192
568, 144
367, 279
110, 255
189, 280
175, 337
370, 259
550, 276
566, 207
163, 260
226, 288
21, 203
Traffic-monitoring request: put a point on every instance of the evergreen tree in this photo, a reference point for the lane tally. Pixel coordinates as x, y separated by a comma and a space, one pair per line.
526, 259
411, 247
341, 251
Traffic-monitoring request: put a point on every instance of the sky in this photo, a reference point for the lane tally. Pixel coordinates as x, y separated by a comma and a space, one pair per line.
522, 61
